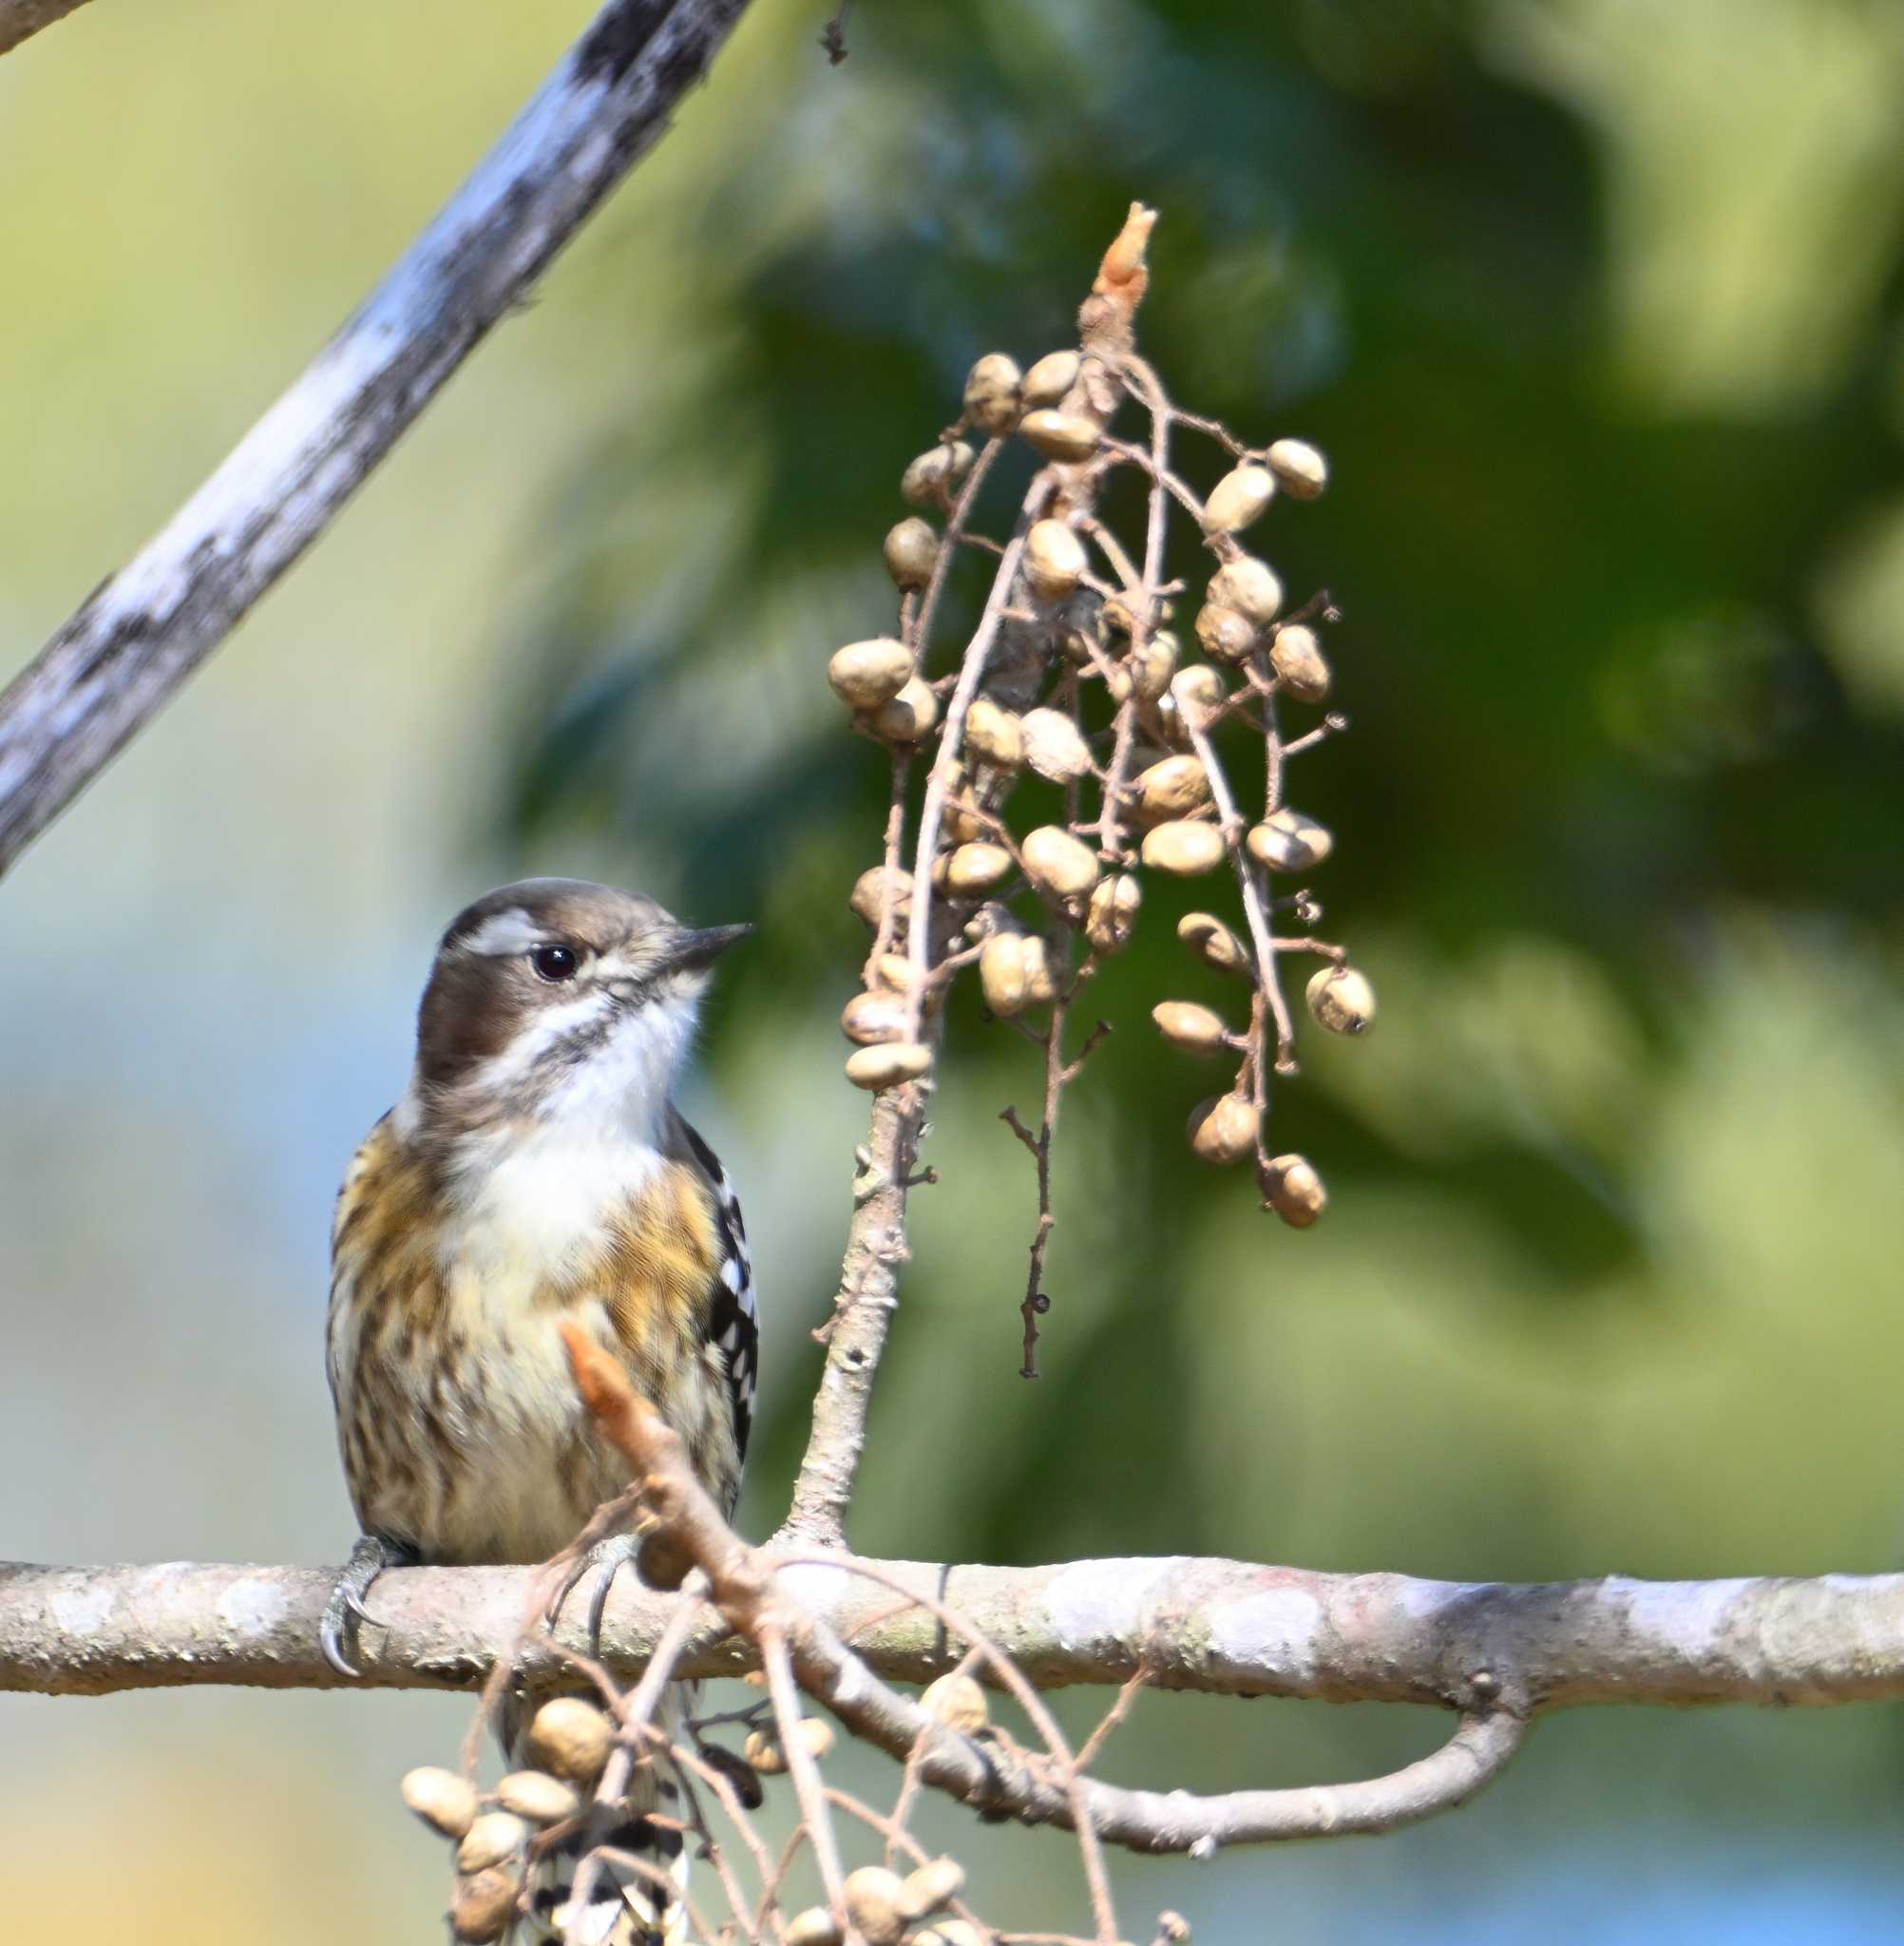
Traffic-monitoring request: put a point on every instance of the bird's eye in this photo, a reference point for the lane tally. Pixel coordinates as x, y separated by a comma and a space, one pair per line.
554, 963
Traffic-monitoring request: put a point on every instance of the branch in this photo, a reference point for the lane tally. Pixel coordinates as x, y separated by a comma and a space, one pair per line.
21, 19
138, 636
1214, 1626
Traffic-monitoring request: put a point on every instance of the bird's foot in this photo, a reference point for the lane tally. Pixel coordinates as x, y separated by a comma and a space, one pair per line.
345, 1609
604, 1559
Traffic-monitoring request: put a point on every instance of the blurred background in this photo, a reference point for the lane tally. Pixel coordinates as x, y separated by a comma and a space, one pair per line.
1597, 307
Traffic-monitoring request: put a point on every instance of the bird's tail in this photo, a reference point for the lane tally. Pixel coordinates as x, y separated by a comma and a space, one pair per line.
638, 1897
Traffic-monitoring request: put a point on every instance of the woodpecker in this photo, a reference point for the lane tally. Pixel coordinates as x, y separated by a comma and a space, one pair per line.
536, 1173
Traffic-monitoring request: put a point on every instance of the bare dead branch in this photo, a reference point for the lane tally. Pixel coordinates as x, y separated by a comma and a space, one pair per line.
139, 635
21, 19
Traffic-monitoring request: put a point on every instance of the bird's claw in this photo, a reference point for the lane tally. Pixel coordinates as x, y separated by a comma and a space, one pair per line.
368, 1558
605, 1558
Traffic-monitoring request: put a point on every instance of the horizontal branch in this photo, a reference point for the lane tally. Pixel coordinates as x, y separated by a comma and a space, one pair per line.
21, 19
143, 632
1221, 1627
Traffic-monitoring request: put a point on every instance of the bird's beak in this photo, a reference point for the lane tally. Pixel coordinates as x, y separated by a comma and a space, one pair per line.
692, 948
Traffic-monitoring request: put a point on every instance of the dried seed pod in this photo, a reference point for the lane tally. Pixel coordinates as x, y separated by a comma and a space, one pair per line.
538, 1797
570, 1738
1196, 691
738, 1772
816, 1926
936, 474
1239, 498
958, 1702
1193, 1028
662, 1561
763, 1751
1297, 658
991, 397
894, 973
910, 716
483, 1905
1058, 864
952, 1933
875, 885
1222, 1129
869, 1019
931, 1887
876, 1069
1080, 628
1054, 560
1288, 841
1153, 665
1299, 469
1067, 436
1184, 847
1295, 1190
1343, 1001
1173, 1928
869, 674
1226, 635
1112, 916
441, 1799
1054, 746
1054, 375
994, 734
816, 1733
1213, 943
494, 1836
977, 868
1247, 584
911, 553
1013, 973
1171, 788
873, 1902
964, 822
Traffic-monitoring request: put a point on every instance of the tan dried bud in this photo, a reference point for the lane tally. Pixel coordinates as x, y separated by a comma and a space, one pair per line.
936, 474
496, 1835
1197, 691
869, 674
992, 396
1224, 634
483, 1905
1297, 658
1195, 1029
1299, 469
1067, 436
1343, 1001
1013, 972
910, 716
762, 1749
877, 1069
816, 1926
1185, 848
911, 553
1222, 1129
1058, 864
873, 1903
1054, 375
1288, 841
441, 1799
1213, 943
953, 1933
994, 734
1247, 584
1173, 1928
538, 1797
977, 868
1054, 746
872, 888
1239, 498
1172, 789
894, 971
1054, 560
964, 823
816, 1735
570, 1738
870, 1019
931, 1887
1153, 665
1295, 1190
958, 1702
1111, 917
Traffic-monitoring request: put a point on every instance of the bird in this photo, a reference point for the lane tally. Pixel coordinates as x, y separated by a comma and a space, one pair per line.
536, 1173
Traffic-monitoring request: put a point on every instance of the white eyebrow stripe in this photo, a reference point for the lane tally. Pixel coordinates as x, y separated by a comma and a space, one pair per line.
502, 933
